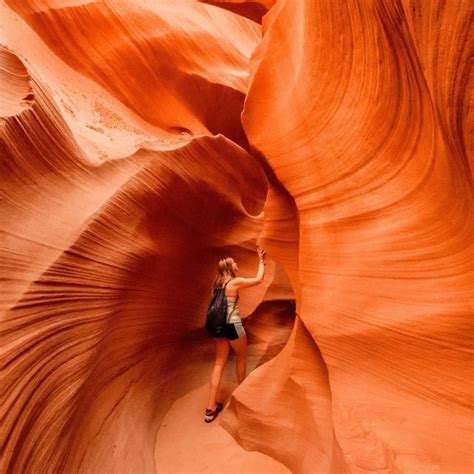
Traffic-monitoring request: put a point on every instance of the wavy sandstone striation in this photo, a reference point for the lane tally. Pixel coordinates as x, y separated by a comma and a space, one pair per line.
142, 140
16, 89
360, 138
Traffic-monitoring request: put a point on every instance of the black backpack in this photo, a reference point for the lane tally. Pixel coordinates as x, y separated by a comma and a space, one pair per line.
216, 317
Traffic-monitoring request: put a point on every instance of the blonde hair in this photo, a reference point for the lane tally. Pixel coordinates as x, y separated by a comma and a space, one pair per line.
224, 272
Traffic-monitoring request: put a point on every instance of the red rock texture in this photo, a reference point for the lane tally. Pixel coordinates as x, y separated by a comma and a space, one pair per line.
140, 141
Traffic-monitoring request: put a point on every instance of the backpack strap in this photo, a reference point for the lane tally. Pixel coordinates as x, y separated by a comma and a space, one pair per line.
225, 284
236, 299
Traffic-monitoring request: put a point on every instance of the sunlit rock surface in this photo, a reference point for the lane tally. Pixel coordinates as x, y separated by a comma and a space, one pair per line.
140, 141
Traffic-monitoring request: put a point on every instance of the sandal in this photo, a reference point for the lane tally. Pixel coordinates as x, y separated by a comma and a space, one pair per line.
211, 414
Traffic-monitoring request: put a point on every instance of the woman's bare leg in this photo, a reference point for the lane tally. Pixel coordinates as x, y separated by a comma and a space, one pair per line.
222, 352
240, 347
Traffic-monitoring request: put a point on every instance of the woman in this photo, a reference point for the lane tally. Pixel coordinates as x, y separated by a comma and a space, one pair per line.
235, 332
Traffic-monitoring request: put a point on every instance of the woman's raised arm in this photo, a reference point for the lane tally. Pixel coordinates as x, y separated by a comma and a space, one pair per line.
239, 282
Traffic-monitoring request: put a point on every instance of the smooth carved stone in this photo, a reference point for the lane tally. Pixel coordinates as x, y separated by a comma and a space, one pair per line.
16, 94
382, 193
253, 10
140, 141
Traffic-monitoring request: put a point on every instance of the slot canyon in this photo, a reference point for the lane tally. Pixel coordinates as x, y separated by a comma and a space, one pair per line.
143, 140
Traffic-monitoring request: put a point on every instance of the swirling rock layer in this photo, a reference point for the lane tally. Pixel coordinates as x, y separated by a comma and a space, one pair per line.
141, 141
385, 219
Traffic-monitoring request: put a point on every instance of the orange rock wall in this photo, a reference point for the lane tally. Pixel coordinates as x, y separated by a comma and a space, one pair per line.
141, 141
357, 129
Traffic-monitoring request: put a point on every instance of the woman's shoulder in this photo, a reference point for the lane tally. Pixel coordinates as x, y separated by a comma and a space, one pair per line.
231, 288
235, 281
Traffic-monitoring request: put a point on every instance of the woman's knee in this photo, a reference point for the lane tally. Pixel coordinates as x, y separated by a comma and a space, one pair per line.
219, 366
222, 357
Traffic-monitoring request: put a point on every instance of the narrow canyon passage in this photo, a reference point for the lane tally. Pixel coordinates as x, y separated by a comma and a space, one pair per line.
141, 141
184, 443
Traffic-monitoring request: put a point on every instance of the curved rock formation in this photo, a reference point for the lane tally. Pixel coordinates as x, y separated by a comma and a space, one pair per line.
252, 10
385, 216
16, 90
140, 141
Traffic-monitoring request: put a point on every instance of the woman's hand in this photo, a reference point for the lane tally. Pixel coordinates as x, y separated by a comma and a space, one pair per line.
239, 282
